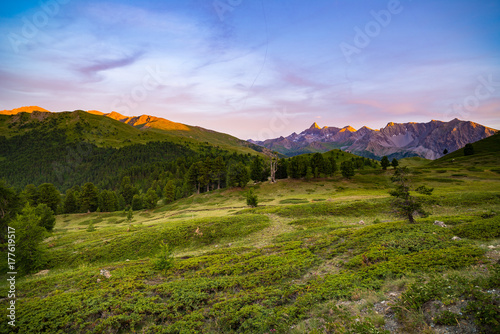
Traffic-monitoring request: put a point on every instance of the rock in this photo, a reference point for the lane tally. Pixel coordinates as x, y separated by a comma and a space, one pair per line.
127, 260
98, 280
456, 238
361, 222
105, 273
229, 244
438, 223
42, 273
491, 247
216, 246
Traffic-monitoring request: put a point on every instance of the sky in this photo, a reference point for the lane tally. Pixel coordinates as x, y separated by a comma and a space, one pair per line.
256, 68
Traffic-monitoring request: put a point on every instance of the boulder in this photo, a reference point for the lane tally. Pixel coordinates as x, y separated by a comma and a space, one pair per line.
105, 273
438, 223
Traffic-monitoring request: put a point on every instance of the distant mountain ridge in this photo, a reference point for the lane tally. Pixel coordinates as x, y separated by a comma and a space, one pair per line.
395, 140
156, 128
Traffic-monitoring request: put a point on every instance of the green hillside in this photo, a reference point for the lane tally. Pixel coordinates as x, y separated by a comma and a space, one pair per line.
486, 155
319, 256
107, 132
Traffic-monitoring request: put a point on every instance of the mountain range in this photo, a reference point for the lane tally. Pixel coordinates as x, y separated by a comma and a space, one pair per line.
395, 140
104, 130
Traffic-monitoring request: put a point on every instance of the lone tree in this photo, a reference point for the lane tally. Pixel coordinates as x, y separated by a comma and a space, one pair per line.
445, 151
394, 163
404, 204
384, 162
347, 169
252, 199
468, 149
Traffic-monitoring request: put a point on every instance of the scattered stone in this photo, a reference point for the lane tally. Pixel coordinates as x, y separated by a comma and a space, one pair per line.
491, 247
216, 246
105, 273
361, 222
127, 260
42, 273
456, 238
98, 280
229, 244
440, 224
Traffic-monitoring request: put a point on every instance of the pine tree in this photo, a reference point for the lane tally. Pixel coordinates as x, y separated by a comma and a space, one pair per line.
256, 169
89, 198
151, 199
468, 149
347, 169
394, 163
29, 252
48, 194
46, 215
70, 204
384, 162
169, 192
403, 203
218, 169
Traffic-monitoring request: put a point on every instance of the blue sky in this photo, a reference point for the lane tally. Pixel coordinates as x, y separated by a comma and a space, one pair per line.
256, 69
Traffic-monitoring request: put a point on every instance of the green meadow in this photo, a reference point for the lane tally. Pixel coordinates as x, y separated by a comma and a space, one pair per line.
319, 256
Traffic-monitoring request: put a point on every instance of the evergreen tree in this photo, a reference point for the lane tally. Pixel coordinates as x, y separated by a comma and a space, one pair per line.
151, 199
445, 151
70, 204
46, 216
10, 206
468, 149
394, 163
169, 192
48, 194
127, 190
137, 202
384, 162
108, 201
193, 175
404, 204
252, 199
29, 252
218, 169
256, 169
31, 194
333, 164
309, 173
281, 170
237, 175
318, 164
89, 198
347, 169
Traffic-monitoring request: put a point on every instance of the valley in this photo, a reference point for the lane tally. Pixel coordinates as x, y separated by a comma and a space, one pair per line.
325, 255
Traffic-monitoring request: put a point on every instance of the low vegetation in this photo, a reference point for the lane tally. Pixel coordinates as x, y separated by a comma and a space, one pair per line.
318, 255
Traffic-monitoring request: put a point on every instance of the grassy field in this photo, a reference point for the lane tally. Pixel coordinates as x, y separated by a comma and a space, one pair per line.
319, 256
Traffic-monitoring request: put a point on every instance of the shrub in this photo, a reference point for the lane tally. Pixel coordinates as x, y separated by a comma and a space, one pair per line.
164, 260
252, 199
